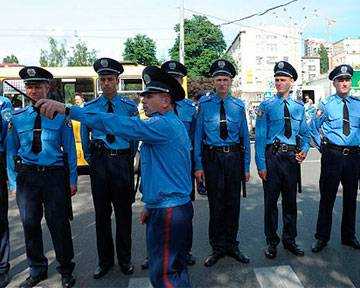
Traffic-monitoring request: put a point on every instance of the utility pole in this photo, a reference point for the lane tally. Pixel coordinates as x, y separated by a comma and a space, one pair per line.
181, 44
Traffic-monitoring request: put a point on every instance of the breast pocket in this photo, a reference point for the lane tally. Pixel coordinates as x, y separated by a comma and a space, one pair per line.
355, 121
335, 122
295, 122
211, 123
25, 136
233, 124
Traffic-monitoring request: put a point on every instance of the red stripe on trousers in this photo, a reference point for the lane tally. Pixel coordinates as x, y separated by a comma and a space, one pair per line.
166, 247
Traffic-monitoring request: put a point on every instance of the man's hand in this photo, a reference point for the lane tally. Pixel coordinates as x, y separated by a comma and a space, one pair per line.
73, 190
300, 157
200, 176
144, 216
48, 107
262, 175
247, 177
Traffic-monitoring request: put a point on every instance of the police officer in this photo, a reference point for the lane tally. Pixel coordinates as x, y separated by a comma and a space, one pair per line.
338, 121
279, 125
166, 169
5, 107
222, 159
186, 111
37, 149
111, 171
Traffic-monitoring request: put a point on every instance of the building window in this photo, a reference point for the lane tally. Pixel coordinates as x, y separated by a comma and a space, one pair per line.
312, 68
259, 60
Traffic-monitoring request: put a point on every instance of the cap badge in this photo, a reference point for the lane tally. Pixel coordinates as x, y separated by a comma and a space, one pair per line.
31, 72
343, 69
172, 65
104, 63
147, 79
221, 64
281, 65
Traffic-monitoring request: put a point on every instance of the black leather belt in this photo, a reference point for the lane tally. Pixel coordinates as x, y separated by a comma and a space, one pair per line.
282, 147
38, 168
224, 149
345, 150
99, 148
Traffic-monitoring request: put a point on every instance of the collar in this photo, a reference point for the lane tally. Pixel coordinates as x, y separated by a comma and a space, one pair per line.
104, 100
339, 99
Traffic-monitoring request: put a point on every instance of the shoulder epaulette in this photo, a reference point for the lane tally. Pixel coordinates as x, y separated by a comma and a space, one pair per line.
189, 102
355, 98
238, 101
21, 110
205, 98
128, 101
92, 101
299, 102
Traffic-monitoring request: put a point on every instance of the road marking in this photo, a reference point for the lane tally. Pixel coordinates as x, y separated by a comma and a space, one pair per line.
139, 283
277, 276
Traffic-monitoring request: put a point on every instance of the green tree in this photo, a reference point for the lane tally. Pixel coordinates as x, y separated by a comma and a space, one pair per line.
204, 43
12, 59
81, 55
324, 59
55, 56
140, 49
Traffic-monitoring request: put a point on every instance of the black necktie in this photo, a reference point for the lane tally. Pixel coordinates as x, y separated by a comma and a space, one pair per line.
110, 137
346, 122
223, 126
36, 143
175, 109
287, 118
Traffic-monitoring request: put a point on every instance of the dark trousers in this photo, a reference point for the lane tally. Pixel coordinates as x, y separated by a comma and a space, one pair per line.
223, 184
167, 236
282, 174
112, 187
336, 168
39, 192
4, 223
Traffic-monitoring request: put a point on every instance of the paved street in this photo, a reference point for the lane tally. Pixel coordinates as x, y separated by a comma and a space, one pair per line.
336, 266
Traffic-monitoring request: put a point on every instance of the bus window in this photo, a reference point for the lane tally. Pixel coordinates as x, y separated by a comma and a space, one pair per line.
56, 91
131, 85
85, 86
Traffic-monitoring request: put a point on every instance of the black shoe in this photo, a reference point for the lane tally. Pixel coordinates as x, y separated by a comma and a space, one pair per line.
354, 243
190, 259
67, 281
127, 268
238, 255
318, 245
270, 252
101, 271
33, 281
4, 279
212, 259
145, 264
294, 249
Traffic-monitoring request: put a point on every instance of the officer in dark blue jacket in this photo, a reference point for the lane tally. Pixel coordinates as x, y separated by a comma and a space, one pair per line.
5, 108
282, 142
186, 111
166, 171
111, 171
336, 131
222, 160
37, 151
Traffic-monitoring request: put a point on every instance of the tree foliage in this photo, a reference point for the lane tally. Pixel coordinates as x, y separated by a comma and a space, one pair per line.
324, 59
55, 56
204, 43
12, 59
140, 49
81, 55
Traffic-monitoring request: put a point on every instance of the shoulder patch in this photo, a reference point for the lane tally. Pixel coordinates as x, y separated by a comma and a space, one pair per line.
92, 101
259, 111
68, 123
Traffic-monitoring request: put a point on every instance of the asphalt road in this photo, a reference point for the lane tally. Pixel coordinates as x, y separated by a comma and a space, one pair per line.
336, 266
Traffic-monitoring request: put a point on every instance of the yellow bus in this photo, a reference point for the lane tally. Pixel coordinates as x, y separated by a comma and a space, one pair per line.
69, 81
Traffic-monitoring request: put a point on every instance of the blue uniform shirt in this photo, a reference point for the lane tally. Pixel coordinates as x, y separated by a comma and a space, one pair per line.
329, 121
165, 152
270, 124
207, 129
122, 107
187, 114
56, 137
5, 105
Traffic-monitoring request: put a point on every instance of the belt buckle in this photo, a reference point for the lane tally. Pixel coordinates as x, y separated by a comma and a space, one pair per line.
284, 148
226, 149
41, 168
113, 153
346, 151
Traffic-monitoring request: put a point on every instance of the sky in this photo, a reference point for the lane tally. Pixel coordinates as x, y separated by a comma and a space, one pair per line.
105, 25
